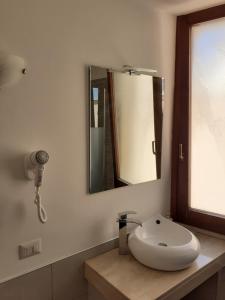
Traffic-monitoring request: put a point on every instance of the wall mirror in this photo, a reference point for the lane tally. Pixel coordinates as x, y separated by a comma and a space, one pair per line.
125, 128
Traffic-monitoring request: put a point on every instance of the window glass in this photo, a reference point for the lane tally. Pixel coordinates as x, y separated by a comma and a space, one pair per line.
207, 117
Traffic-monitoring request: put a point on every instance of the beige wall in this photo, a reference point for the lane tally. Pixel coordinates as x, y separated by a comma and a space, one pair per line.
48, 110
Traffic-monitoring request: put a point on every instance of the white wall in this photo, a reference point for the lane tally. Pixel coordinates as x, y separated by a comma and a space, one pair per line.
48, 110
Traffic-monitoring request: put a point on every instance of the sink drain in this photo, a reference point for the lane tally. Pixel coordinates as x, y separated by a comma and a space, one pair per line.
162, 244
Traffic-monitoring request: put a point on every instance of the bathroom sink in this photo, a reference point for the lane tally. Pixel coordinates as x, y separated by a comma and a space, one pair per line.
164, 245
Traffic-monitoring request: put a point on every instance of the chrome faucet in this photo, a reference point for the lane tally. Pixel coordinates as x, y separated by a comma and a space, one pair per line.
123, 234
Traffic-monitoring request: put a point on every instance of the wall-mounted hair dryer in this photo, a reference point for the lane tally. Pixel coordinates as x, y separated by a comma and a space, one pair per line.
34, 168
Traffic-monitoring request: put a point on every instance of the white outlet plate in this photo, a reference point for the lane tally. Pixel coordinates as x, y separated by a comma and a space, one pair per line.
30, 248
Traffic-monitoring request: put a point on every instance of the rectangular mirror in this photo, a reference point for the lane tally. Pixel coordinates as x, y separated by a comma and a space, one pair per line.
125, 128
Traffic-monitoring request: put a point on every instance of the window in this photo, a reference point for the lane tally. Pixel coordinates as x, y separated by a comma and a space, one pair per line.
198, 172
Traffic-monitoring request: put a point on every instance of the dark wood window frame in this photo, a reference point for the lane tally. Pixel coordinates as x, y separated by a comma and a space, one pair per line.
180, 209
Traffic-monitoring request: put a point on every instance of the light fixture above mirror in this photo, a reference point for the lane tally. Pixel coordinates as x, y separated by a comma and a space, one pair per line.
12, 69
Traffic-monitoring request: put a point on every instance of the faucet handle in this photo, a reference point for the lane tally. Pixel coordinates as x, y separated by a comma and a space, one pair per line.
123, 214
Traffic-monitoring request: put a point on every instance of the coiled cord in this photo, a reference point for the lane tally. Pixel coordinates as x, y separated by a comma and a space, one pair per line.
42, 214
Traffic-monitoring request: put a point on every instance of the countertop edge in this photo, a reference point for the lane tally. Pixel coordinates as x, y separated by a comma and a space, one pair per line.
102, 285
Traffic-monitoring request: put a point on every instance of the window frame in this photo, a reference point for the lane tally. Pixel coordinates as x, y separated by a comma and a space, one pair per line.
180, 211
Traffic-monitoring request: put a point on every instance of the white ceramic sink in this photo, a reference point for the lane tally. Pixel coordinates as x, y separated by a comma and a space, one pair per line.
164, 245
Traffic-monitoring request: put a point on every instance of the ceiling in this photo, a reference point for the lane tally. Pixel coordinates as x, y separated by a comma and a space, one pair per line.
179, 7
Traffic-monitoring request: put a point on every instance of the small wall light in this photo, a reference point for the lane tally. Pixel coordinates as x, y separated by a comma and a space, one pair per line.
12, 69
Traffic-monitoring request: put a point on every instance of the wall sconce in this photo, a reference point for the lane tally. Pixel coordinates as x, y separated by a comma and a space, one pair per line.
12, 69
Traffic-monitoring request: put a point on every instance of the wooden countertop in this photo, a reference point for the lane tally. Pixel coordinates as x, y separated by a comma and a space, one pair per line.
122, 277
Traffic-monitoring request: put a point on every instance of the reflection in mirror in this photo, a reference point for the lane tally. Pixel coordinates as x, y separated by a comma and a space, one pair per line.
125, 128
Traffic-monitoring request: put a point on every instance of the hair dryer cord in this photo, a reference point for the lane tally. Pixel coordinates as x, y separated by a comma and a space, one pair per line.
41, 211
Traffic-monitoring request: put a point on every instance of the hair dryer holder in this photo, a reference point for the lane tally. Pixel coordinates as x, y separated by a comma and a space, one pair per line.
33, 161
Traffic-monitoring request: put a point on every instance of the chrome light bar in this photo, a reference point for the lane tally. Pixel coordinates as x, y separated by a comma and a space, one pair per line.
133, 70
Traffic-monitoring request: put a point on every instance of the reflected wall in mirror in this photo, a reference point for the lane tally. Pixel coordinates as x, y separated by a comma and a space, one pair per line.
125, 128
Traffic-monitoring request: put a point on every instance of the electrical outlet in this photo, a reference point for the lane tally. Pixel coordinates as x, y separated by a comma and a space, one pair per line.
29, 248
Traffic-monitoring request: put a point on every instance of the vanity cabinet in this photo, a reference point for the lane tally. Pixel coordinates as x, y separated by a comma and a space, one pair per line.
207, 290
121, 277
93, 294
211, 289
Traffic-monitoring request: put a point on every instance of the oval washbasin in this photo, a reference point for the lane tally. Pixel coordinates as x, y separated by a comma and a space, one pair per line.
164, 245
